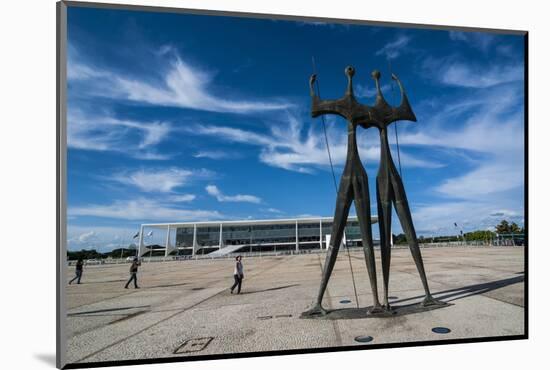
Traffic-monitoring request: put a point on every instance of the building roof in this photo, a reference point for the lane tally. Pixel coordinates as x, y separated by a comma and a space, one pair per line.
374, 219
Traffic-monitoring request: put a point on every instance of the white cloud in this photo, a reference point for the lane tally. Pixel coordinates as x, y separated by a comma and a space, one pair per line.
489, 127
272, 210
485, 179
394, 48
454, 71
102, 132
159, 180
439, 218
286, 146
183, 198
465, 75
212, 154
181, 85
215, 192
143, 210
480, 40
362, 91
86, 237
493, 132
101, 238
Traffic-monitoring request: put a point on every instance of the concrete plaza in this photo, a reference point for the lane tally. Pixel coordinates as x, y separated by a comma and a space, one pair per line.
184, 308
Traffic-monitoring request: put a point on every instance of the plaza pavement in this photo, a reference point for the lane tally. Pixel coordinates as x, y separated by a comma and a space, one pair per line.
184, 308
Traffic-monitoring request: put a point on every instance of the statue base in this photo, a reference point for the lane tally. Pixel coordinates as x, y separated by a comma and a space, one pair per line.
369, 312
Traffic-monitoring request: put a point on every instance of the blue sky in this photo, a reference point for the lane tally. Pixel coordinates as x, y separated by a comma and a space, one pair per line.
175, 117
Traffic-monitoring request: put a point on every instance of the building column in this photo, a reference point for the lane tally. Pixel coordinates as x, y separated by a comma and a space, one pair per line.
320, 233
140, 243
167, 242
194, 239
297, 240
221, 235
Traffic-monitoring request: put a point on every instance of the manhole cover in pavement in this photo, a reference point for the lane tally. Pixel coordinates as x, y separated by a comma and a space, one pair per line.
345, 301
363, 339
193, 345
441, 330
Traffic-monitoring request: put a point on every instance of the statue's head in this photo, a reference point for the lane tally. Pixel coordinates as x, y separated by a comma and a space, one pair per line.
350, 71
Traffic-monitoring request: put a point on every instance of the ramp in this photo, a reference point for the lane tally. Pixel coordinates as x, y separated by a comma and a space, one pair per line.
225, 250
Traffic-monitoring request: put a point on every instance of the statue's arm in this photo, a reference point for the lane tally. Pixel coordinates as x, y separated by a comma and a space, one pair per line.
404, 111
319, 106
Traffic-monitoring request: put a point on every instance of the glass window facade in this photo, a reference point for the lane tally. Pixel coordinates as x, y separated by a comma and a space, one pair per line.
184, 237
265, 236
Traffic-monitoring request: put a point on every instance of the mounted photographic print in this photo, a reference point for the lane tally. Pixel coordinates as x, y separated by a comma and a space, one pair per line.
236, 185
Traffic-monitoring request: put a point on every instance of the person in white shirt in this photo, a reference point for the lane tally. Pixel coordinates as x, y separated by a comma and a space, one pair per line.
238, 274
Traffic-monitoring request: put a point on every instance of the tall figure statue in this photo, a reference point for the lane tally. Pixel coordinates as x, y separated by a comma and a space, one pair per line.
353, 186
389, 189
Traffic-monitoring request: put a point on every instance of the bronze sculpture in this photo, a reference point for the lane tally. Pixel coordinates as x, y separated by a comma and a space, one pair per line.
390, 189
354, 185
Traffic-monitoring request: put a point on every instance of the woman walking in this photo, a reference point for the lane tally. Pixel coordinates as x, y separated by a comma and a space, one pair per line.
133, 273
78, 271
238, 274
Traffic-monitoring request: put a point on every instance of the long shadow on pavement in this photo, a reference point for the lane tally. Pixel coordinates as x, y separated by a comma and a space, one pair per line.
270, 289
446, 296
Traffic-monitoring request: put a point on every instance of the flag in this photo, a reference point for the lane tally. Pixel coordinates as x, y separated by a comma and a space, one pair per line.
150, 233
135, 236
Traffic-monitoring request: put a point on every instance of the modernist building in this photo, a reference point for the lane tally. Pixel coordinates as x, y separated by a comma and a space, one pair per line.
223, 237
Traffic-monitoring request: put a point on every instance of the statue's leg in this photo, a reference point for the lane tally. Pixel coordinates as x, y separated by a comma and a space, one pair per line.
343, 203
404, 214
362, 205
384, 196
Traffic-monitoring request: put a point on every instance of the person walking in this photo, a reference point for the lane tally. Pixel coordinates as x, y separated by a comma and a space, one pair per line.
133, 273
238, 274
78, 271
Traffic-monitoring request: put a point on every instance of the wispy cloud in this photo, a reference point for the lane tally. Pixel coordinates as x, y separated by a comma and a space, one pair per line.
183, 197
86, 237
469, 215
493, 129
362, 91
456, 72
395, 48
180, 84
101, 238
215, 192
142, 209
479, 40
159, 180
461, 74
272, 210
103, 132
290, 146
212, 154
487, 126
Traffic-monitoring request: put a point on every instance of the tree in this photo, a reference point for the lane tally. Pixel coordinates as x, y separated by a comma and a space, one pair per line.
503, 227
515, 229
479, 235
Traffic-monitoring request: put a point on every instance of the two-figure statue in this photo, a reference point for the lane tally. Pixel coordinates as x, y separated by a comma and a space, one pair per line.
354, 186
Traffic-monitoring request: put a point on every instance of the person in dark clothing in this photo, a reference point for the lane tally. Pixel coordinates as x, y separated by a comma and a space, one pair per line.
133, 273
78, 271
238, 274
